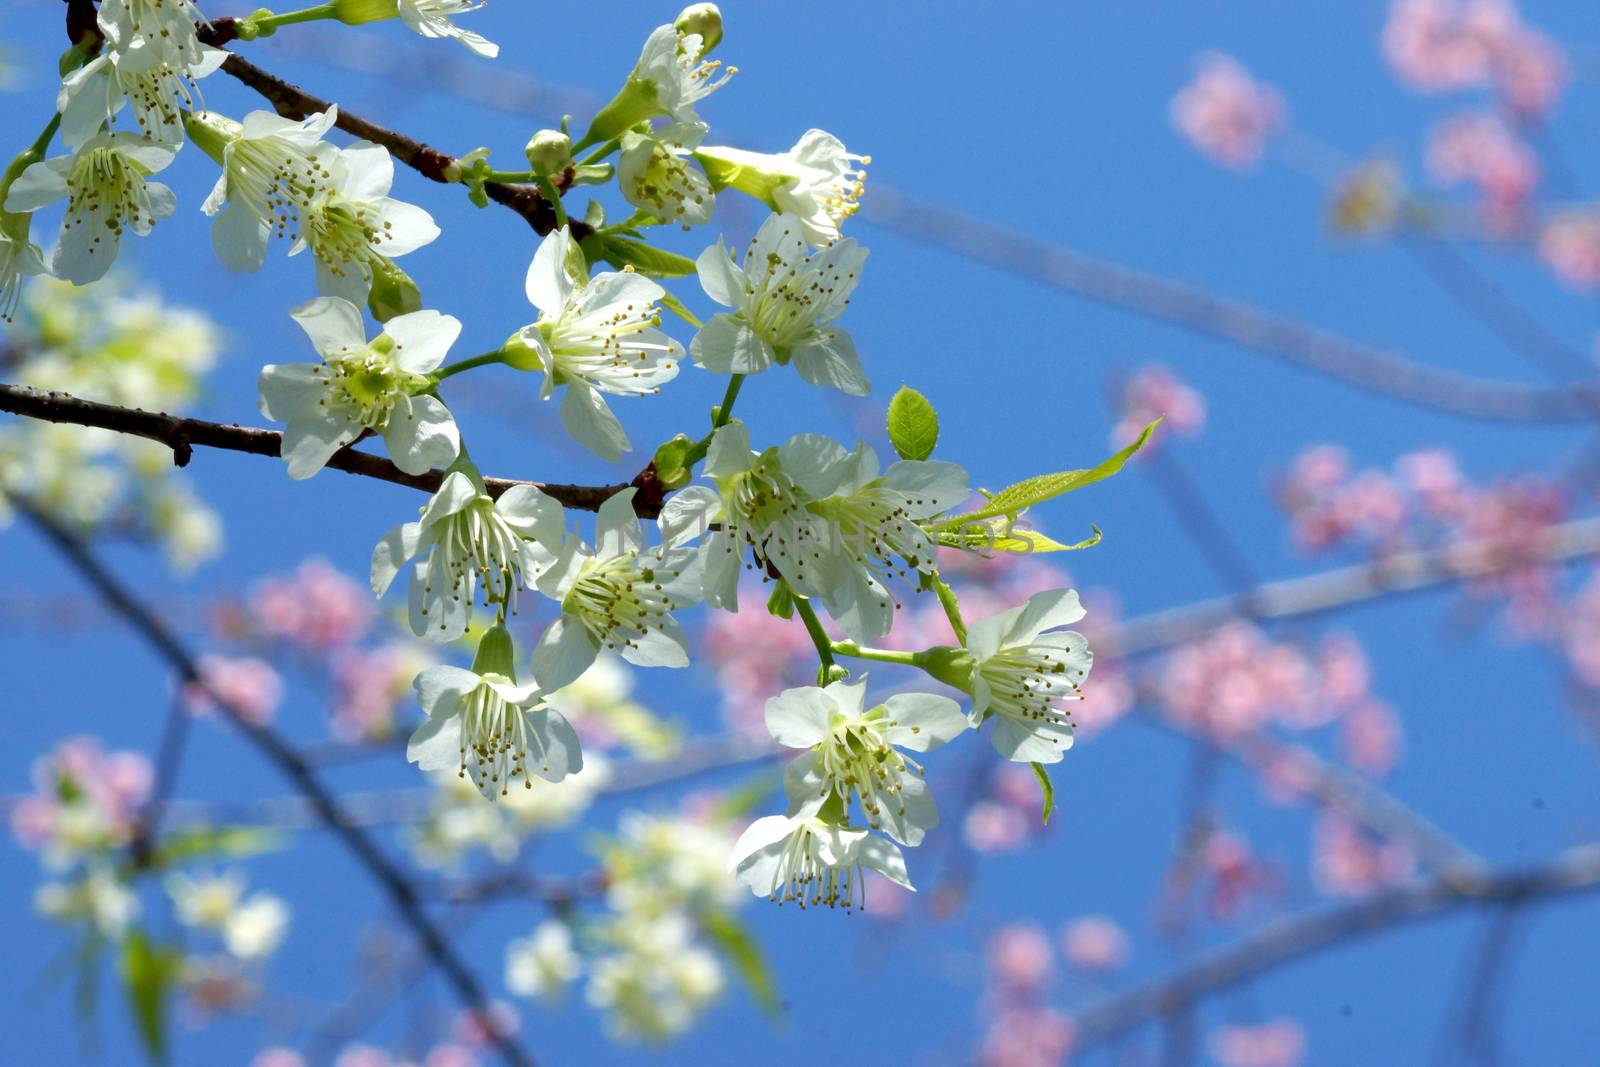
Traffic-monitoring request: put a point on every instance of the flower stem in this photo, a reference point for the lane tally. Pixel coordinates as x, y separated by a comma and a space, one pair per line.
602, 150
721, 415
23, 160
819, 636
553, 196
497, 356
265, 23
952, 609
881, 655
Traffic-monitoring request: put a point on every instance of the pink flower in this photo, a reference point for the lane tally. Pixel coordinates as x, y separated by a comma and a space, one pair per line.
317, 608
1279, 1043
363, 1056
1347, 863
756, 654
249, 686
1436, 479
476, 1031
1225, 113
1569, 244
1481, 150
278, 1057
1094, 943
1370, 739
1346, 677
1427, 44
1151, 393
1020, 957
370, 685
450, 1056
116, 785
1027, 1038
991, 827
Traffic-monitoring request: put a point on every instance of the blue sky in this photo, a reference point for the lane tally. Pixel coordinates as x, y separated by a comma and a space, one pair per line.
1048, 118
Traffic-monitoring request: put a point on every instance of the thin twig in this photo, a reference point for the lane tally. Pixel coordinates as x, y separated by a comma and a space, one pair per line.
400, 891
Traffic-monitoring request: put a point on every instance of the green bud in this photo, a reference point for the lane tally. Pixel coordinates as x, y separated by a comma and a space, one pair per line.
393, 292
356, 12
835, 673
704, 19
549, 152
952, 666
497, 653
520, 354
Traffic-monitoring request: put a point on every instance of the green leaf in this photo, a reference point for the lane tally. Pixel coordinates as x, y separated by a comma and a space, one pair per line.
913, 424
674, 305
1016, 498
670, 460
741, 950
647, 260
1049, 791
998, 535
148, 971
182, 846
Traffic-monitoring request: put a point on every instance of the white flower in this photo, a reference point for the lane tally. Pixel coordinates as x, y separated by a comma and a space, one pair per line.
207, 900
542, 964
361, 386
593, 338
1021, 674
757, 508
658, 980
804, 859
159, 85
256, 927
873, 523
655, 174
672, 64
855, 752
432, 18
352, 221
468, 536
616, 595
784, 300
106, 192
817, 181
271, 168
167, 26
20, 259
98, 899
490, 729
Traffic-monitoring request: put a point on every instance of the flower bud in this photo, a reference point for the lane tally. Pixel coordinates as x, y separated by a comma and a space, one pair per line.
549, 152
393, 292
704, 19
355, 12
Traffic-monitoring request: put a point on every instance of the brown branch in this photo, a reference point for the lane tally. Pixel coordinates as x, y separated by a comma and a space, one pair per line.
291, 101
401, 893
1283, 941
183, 435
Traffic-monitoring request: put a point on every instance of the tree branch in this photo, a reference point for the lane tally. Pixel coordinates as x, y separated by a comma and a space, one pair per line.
1575, 871
182, 435
400, 891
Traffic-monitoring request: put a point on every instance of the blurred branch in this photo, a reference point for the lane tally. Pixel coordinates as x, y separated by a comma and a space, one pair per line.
183, 435
1399, 572
1282, 941
400, 891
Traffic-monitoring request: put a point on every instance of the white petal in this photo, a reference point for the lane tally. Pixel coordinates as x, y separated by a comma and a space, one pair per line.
422, 339
308, 443
720, 277
548, 284
591, 423
397, 546
333, 324
886, 858
1043, 611
38, 185
558, 752
831, 361
688, 515
617, 525
798, 718
240, 239
923, 721
421, 434
727, 346
533, 515
1041, 741
436, 744
564, 652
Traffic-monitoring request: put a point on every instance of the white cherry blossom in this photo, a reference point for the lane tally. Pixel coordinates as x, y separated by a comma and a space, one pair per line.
817, 180
656, 174
1021, 674
20, 259
435, 18
158, 84
361, 386
806, 860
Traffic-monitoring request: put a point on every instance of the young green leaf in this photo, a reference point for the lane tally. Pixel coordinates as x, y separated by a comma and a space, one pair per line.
913, 424
993, 535
741, 950
1049, 791
148, 971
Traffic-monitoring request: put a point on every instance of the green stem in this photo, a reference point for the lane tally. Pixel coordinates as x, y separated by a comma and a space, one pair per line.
881, 655
23, 160
952, 609
553, 195
604, 149
497, 356
266, 23
720, 417
819, 636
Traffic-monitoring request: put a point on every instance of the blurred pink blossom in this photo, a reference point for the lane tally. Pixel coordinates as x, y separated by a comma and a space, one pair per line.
1480, 149
1434, 476
1346, 862
1370, 738
476, 1031
1020, 959
363, 1056
1094, 943
1035, 1037
115, 785
755, 655
370, 685
250, 686
1150, 393
991, 827
1278, 1043
278, 1057
1446, 45
1569, 244
1225, 113
317, 607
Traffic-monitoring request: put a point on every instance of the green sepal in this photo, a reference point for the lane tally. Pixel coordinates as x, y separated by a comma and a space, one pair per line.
623, 252
671, 461
497, 653
781, 602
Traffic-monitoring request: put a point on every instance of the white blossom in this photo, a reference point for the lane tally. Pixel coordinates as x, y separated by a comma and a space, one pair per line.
468, 537
20, 259
785, 299
859, 753
673, 66
256, 927
656, 981
656, 174
361, 386
809, 861
104, 184
433, 18
542, 964
816, 181
616, 595
1021, 674
593, 337
156, 82
167, 26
